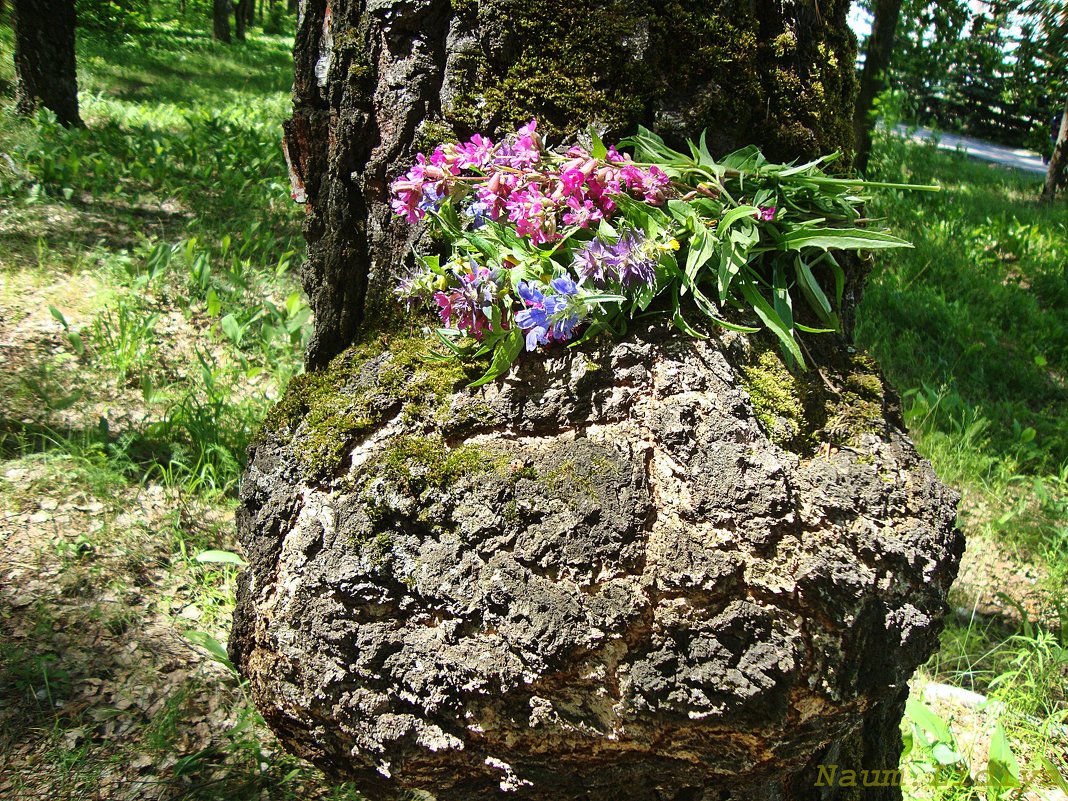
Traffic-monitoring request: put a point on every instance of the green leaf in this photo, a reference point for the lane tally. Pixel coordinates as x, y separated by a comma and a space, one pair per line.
790, 171
214, 304
840, 239
735, 214
1054, 774
928, 721
814, 294
944, 755
701, 249
1002, 768
212, 646
231, 328
772, 320
704, 157
506, 352
58, 315
780, 296
598, 151
734, 255
220, 557
746, 159
679, 320
685, 215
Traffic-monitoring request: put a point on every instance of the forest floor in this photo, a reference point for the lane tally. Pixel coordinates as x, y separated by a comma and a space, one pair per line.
150, 314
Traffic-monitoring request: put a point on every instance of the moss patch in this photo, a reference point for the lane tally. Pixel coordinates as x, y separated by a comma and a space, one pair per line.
734, 67
418, 463
859, 409
778, 397
800, 411
323, 413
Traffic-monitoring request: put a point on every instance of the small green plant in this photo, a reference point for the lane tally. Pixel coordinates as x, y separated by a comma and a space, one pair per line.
123, 338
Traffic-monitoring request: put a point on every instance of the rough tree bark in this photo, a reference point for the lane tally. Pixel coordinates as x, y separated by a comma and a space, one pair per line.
873, 79
1055, 172
44, 58
220, 15
652, 569
377, 81
241, 18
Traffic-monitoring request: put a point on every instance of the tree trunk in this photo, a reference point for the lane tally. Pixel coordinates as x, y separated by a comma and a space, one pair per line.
221, 20
1055, 172
375, 82
240, 19
44, 58
606, 575
873, 79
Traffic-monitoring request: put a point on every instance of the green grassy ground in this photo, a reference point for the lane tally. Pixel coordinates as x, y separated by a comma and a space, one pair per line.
149, 315
971, 327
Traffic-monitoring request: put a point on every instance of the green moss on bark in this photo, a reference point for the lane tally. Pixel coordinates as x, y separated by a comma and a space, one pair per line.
323, 413
835, 405
764, 73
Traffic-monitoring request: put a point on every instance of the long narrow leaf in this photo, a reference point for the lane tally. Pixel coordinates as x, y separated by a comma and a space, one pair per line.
772, 320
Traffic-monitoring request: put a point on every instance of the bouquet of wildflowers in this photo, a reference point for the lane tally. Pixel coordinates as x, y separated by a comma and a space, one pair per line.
548, 246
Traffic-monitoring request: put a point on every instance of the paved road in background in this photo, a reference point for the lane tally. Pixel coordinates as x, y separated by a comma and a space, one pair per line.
1010, 157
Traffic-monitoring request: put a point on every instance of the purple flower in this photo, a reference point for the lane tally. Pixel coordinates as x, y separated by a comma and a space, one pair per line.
765, 213
633, 262
469, 307
626, 261
597, 262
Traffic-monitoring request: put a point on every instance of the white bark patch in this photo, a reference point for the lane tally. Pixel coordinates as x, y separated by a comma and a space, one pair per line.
326, 49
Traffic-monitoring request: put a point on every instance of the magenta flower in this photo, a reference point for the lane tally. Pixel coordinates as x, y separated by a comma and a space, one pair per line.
765, 213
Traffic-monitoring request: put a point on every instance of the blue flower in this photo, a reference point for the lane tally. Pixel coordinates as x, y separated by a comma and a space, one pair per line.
432, 198
478, 212
549, 317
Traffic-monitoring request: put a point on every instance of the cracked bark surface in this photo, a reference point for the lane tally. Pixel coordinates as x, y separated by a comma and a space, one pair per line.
621, 588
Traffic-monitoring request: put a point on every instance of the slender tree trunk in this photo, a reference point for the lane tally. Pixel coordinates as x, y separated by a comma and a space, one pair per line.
873, 80
240, 20
1055, 172
44, 58
221, 19
375, 82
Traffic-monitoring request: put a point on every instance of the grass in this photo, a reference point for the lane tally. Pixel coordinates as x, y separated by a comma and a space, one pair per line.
971, 326
150, 314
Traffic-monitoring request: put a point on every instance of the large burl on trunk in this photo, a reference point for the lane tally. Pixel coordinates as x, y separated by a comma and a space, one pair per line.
651, 568
599, 578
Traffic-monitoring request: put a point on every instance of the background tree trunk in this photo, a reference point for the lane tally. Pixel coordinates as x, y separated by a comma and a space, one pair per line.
44, 58
873, 80
1058, 161
241, 19
376, 82
221, 20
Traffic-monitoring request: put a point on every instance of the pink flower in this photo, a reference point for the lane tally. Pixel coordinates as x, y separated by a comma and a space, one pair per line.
476, 153
765, 213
